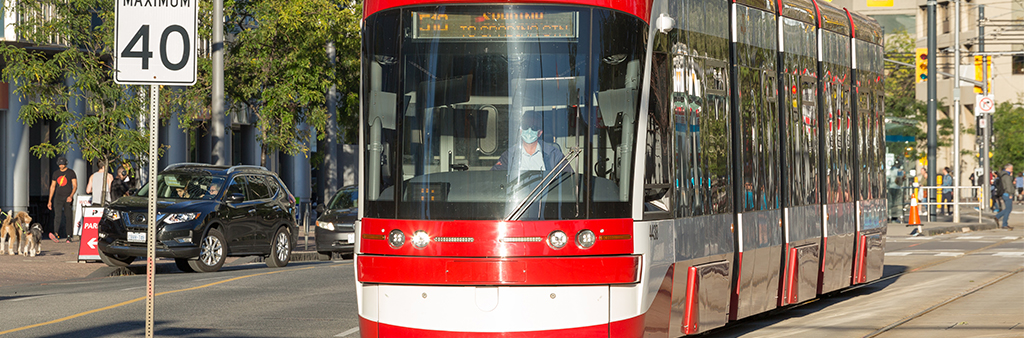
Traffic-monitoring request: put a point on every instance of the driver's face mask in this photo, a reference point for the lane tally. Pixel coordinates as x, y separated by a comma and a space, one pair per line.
530, 135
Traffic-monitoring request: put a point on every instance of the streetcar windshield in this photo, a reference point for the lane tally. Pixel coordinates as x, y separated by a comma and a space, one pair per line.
500, 112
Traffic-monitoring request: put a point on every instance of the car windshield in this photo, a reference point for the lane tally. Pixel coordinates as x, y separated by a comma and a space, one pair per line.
344, 199
188, 186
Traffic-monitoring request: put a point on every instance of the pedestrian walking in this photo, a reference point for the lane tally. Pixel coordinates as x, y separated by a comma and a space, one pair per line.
1005, 181
63, 184
97, 187
947, 193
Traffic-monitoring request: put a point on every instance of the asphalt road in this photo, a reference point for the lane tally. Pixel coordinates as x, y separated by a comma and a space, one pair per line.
953, 285
305, 299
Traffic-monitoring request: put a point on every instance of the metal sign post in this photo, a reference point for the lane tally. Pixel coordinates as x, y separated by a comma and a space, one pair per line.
155, 45
154, 127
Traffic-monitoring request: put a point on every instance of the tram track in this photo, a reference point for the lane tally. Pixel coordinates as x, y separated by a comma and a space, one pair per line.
947, 301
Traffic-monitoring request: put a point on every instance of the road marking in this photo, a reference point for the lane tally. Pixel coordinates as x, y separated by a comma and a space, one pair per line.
133, 288
1010, 237
949, 254
1009, 254
80, 314
969, 237
348, 332
898, 254
26, 298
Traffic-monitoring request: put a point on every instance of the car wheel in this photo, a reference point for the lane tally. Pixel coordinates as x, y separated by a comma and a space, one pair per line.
323, 255
280, 249
211, 253
182, 264
116, 261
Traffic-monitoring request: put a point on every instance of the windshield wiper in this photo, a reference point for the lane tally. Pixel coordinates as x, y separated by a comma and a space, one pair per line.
544, 183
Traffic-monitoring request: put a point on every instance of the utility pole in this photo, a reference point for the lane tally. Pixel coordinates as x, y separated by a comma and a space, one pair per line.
932, 74
219, 123
987, 131
956, 114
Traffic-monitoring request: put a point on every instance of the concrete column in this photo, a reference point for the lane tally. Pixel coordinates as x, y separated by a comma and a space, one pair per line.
16, 155
76, 162
204, 144
173, 136
251, 149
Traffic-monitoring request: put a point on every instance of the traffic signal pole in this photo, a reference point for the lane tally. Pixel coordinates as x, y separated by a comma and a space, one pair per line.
932, 137
987, 131
956, 115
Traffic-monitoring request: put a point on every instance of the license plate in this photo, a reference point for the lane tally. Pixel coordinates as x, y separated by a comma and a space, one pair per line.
352, 238
136, 236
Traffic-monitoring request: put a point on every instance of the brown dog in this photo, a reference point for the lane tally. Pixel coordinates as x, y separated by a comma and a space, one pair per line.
13, 231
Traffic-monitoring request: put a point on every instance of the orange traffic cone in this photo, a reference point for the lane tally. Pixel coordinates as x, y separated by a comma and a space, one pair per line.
915, 217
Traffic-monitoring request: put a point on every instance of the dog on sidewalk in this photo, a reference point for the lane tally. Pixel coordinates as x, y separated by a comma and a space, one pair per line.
33, 241
13, 231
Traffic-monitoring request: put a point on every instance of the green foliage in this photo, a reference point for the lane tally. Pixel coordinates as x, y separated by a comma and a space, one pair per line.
277, 67
1008, 132
42, 70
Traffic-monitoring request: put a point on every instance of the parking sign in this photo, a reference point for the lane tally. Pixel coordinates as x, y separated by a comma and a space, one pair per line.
156, 42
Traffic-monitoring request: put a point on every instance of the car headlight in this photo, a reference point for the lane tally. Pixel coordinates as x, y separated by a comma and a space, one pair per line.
112, 214
326, 225
182, 217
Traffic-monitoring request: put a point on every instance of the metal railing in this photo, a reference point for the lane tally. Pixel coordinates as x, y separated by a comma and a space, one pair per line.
934, 199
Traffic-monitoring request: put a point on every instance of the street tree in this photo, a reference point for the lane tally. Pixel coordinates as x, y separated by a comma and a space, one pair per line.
63, 60
1008, 135
277, 68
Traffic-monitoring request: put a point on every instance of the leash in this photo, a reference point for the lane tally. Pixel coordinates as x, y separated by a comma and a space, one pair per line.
16, 224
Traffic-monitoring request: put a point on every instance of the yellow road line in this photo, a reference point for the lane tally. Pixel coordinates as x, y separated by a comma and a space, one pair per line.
144, 298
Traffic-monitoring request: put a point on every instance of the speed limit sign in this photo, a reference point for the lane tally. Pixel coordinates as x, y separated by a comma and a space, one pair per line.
155, 42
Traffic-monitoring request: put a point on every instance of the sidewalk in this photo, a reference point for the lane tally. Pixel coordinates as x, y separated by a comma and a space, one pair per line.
58, 262
943, 224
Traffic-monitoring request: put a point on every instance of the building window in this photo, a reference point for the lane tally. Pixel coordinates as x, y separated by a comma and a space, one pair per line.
1018, 61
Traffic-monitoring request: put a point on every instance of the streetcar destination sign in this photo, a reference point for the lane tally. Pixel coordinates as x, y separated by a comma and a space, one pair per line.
155, 42
494, 25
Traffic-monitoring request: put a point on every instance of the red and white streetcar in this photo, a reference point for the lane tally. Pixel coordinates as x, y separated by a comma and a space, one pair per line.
613, 168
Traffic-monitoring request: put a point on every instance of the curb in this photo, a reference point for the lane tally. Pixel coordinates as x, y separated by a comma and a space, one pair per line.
302, 256
959, 227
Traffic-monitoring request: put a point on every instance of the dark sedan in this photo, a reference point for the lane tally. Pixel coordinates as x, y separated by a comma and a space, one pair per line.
335, 229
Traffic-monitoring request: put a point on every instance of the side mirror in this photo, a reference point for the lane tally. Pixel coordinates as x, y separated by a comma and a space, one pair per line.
236, 198
320, 209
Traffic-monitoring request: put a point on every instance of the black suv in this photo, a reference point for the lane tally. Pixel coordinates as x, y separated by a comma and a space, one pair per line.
204, 214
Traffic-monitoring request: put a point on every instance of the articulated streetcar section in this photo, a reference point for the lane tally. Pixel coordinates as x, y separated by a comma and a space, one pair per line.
613, 168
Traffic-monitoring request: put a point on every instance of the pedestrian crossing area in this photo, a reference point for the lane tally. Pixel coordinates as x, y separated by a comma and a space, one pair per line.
947, 253
970, 238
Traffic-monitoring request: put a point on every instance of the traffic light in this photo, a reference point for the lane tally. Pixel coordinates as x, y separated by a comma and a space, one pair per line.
921, 72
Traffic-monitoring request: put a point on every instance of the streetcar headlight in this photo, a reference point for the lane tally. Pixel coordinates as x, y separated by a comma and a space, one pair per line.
585, 238
396, 238
420, 239
557, 239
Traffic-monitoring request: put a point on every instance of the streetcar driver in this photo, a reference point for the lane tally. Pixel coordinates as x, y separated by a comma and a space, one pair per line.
532, 152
